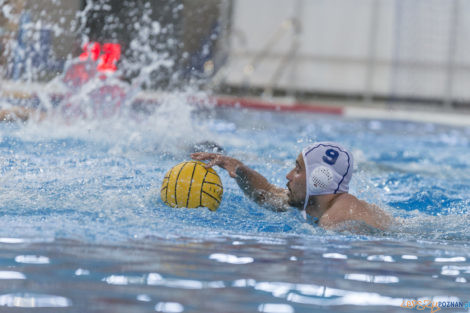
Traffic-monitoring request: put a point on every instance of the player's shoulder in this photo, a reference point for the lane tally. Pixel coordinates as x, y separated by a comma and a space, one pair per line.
345, 207
347, 202
348, 207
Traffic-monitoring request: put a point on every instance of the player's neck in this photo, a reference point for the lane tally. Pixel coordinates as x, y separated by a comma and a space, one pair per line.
318, 205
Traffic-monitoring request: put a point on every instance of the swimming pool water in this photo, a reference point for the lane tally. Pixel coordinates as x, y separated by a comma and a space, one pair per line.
83, 228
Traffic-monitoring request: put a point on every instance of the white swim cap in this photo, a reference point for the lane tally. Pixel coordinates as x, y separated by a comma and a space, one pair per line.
328, 169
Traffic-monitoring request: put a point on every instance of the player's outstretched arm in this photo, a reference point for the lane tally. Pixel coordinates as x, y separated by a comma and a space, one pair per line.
253, 184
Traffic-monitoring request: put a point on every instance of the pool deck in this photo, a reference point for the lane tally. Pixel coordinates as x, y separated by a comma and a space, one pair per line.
356, 109
347, 109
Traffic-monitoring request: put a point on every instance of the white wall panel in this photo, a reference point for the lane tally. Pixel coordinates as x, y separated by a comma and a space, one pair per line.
396, 48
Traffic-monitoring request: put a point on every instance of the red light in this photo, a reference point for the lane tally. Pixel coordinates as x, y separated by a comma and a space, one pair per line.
108, 55
108, 59
91, 49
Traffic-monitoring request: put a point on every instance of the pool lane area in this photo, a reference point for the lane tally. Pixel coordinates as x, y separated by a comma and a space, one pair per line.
84, 229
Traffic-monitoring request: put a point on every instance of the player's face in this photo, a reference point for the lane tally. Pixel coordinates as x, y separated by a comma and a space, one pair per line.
296, 183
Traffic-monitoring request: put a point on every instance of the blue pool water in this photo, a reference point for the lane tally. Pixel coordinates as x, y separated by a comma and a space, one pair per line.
83, 228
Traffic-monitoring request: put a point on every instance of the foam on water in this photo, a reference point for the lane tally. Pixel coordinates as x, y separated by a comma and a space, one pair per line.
99, 179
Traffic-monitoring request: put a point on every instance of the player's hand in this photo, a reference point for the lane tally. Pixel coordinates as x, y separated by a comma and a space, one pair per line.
225, 162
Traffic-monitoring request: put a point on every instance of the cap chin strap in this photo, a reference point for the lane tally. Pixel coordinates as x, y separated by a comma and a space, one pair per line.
309, 219
304, 211
307, 196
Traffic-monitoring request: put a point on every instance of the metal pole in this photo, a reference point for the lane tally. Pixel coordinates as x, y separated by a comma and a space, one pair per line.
289, 59
395, 64
450, 70
371, 62
296, 42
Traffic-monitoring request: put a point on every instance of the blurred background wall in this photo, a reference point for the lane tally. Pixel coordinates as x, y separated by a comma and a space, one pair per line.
386, 49
412, 51
39, 36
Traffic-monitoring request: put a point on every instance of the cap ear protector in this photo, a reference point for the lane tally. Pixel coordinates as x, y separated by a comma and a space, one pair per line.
320, 179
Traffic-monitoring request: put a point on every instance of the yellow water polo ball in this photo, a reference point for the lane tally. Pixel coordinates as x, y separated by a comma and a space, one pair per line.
191, 185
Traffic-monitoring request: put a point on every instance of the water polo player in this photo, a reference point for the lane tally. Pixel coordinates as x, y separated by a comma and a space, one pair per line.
318, 185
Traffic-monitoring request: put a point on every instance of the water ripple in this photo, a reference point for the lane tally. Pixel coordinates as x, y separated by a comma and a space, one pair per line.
31, 300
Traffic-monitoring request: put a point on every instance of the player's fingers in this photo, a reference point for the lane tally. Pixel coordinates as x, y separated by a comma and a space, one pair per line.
211, 163
196, 156
202, 156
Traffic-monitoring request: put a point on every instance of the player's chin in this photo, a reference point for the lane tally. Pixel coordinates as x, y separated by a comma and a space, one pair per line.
294, 203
